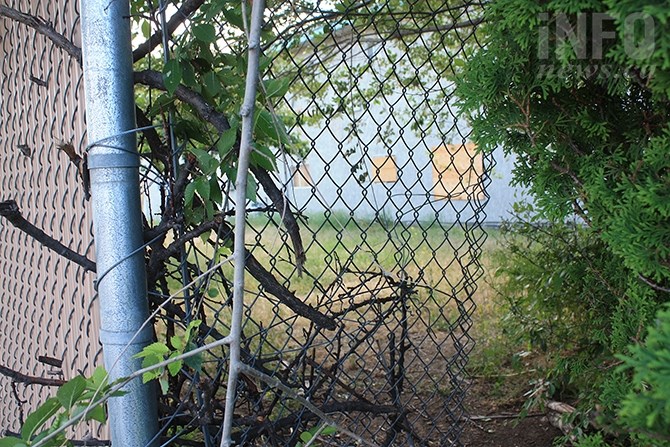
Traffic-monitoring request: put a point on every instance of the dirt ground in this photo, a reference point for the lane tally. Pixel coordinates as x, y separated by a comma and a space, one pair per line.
492, 421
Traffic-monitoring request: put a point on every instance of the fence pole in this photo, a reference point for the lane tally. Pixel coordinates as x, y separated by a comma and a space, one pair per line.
114, 177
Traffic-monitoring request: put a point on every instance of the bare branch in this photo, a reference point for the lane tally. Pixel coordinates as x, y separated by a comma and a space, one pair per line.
186, 9
43, 27
10, 210
29, 380
653, 284
281, 204
253, 266
275, 382
272, 286
158, 149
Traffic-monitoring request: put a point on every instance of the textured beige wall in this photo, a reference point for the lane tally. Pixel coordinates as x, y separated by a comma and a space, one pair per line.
47, 304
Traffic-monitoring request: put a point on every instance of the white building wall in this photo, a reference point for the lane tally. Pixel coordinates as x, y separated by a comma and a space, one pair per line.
335, 184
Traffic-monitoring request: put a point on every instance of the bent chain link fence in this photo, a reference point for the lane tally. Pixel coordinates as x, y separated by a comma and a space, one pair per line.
375, 224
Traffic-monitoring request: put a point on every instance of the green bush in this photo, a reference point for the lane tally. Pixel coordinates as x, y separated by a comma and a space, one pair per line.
646, 408
571, 298
588, 124
553, 280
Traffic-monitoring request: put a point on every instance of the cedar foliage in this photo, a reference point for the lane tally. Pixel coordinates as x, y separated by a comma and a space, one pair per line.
585, 112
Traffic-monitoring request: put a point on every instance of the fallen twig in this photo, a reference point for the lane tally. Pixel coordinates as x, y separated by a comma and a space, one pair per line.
500, 416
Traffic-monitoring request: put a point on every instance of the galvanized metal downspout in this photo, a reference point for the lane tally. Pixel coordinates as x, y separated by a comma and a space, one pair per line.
117, 224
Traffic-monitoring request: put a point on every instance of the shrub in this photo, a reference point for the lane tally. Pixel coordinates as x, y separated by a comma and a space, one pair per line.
587, 121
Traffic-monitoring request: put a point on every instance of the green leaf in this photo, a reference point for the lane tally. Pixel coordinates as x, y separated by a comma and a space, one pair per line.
203, 187
188, 75
204, 32
156, 349
266, 126
213, 8
189, 191
172, 75
252, 189
207, 163
58, 441
175, 367
209, 209
195, 215
277, 88
39, 417
191, 129
226, 141
262, 156
234, 18
11, 441
97, 413
230, 171
223, 252
165, 385
193, 325
177, 343
306, 436
329, 430
194, 361
71, 391
212, 83
213, 292
146, 29
229, 59
151, 375
263, 63
215, 194
98, 379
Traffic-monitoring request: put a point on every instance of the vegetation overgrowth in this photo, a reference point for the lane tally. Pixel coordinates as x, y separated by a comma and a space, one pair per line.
578, 91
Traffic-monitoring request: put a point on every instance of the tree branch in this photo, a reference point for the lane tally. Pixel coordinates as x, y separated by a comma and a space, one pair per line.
253, 266
154, 79
281, 204
43, 27
186, 9
158, 149
10, 210
317, 412
29, 380
653, 284
288, 298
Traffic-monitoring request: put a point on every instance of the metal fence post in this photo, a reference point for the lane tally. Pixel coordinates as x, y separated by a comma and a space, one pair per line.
113, 162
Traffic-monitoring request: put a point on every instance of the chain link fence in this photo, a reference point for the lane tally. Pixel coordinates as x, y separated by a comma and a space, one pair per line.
364, 219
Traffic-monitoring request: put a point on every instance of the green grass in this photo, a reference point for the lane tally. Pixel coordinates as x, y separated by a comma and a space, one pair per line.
421, 252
